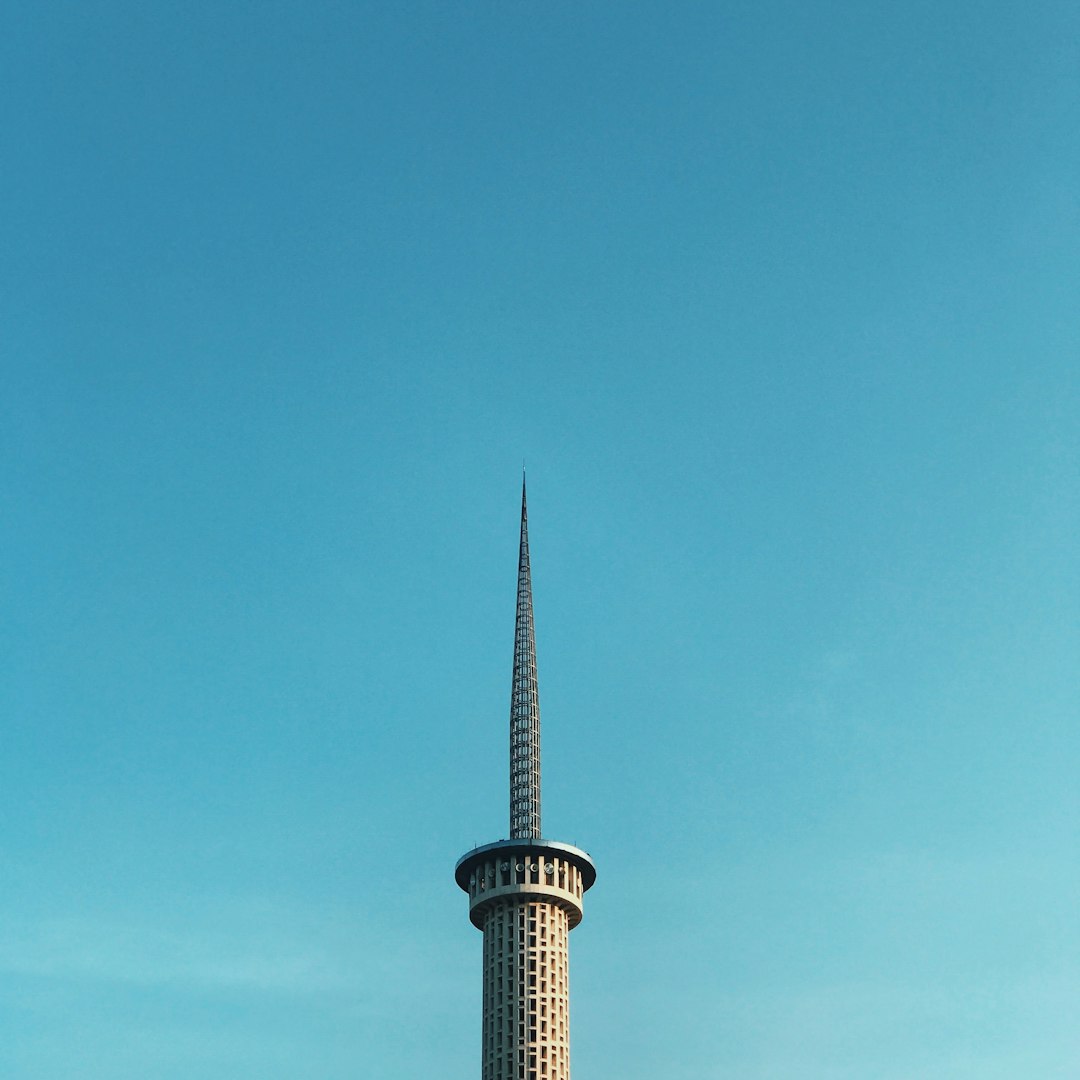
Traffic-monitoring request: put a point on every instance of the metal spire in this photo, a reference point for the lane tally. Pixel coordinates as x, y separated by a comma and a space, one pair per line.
524, 703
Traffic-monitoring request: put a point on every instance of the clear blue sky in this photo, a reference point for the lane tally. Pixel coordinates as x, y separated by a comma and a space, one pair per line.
778, 301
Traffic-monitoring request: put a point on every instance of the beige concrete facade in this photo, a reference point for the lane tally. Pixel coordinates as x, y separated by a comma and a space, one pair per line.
526, 992
526, 897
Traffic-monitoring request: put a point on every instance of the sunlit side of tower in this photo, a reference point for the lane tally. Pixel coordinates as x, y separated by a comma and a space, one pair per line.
525, 893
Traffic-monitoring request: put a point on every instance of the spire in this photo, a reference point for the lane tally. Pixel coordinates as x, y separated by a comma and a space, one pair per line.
524, 703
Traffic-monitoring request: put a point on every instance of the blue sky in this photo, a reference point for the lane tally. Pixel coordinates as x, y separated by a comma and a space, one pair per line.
778, 302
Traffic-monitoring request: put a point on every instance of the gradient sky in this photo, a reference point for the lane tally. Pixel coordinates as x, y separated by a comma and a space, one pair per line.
777, 300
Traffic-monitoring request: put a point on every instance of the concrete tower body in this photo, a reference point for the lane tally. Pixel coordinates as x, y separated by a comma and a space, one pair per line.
525, 893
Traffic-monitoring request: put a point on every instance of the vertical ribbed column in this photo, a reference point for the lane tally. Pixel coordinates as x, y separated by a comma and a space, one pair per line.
526, 992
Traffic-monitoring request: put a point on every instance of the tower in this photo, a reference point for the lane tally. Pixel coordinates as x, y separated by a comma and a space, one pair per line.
525, 893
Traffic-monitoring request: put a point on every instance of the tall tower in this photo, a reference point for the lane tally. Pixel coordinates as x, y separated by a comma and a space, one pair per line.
525, 893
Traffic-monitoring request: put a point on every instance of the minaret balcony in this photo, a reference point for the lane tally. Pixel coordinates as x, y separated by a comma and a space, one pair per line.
523, 870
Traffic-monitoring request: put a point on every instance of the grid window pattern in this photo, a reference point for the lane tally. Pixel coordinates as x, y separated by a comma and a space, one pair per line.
526, 992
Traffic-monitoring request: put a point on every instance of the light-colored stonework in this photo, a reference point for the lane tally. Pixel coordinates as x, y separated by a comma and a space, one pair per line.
526, 992
526, 897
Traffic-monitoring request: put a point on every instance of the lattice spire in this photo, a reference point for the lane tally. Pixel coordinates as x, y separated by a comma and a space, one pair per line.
524, 703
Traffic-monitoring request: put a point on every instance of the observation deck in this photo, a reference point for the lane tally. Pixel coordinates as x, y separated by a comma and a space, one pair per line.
525, 869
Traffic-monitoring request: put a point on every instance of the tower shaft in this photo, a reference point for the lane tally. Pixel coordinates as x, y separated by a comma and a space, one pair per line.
526, 896
526, 992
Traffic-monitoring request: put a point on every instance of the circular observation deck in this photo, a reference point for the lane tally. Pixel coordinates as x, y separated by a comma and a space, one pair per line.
525, 869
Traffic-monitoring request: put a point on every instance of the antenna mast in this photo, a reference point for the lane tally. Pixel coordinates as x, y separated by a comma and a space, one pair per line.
524, 703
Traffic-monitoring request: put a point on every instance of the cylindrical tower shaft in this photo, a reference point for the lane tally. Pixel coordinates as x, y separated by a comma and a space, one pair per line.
526, 992
526, 896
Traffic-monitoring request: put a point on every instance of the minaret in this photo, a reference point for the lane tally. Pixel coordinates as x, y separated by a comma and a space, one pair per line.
525, 893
